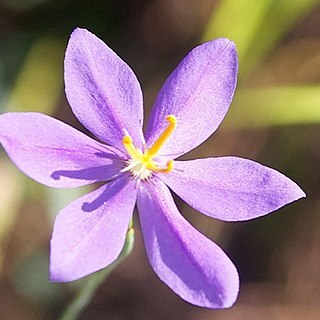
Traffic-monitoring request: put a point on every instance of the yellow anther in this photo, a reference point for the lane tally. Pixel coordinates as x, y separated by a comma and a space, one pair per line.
169, 166
127, 140
128, 144
141, 165
164, 136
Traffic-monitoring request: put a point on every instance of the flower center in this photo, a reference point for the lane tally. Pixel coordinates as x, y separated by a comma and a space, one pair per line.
142, 164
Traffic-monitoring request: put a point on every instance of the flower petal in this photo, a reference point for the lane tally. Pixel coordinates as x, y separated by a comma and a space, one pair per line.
231, 188
55, 154
89, 233
198, 93
102, 90
189, 263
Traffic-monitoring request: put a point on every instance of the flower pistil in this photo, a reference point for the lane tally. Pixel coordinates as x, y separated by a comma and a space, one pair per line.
142, 164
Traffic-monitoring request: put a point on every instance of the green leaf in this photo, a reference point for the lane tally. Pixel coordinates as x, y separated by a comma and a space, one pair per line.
92, 282
10, 202
274, 106
40, 80
255, 26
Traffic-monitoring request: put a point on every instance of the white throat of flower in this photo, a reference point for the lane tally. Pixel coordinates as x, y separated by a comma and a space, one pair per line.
142, 164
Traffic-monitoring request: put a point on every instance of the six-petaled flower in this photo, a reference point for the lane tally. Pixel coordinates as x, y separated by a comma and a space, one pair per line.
105, 96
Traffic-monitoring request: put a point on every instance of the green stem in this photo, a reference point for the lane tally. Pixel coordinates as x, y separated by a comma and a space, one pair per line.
86, 293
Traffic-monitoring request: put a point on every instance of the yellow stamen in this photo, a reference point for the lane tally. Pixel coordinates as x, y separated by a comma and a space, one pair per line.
164, 136
152, 166
128, 144
141, 165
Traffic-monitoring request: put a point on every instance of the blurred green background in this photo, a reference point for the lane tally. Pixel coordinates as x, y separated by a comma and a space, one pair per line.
274, 119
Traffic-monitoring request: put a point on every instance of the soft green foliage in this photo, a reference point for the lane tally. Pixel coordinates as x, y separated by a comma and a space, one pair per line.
275, 106
90, 284
41, 73
255, 26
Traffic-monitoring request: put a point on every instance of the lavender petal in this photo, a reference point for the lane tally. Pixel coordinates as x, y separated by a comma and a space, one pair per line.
55, 154
193, 266
102, 90
90, 232
231, 188
198, 93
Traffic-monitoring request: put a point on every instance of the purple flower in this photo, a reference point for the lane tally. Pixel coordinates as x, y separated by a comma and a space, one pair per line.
105, 96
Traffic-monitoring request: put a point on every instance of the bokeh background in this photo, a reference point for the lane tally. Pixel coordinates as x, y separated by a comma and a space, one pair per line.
274, 119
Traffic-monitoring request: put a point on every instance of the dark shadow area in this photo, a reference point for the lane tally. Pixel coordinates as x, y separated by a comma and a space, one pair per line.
111, 189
